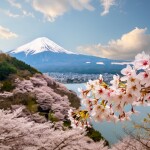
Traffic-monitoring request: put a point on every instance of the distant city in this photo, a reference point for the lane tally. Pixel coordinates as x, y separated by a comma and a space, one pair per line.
77, 78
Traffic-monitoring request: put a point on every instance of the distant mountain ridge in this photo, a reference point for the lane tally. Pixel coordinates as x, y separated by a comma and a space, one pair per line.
47, 56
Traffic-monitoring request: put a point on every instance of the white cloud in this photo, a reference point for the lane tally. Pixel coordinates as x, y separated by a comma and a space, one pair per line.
126, 47
14, 4
17, 5
25, 13
51, 9
9, 14
106, 6
81, 4
5, 33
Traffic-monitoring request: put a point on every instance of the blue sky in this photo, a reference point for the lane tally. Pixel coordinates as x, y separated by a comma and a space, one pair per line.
117, 29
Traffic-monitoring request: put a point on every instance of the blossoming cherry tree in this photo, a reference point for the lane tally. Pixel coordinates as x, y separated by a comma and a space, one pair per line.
105, 101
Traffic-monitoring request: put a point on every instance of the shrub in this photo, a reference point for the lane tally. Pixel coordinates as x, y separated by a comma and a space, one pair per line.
7, 86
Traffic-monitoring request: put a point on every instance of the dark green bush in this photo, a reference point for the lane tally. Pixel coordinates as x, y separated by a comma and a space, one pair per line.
67, 123
93, 134
10, 65
6, 69
7, 86
23, 66
52, 117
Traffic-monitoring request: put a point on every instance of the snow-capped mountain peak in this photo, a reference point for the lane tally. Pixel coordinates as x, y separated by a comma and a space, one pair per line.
40, 45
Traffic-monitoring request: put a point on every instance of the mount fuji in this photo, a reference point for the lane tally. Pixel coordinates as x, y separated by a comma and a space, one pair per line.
40, 45
47, 56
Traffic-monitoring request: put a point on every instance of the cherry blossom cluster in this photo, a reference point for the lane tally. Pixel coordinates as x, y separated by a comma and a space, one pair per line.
46, 97
108, 102
20, 133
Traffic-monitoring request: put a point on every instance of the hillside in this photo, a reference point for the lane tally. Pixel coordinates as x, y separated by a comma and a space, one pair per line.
42, 98
11, 66
20, 84
14, 73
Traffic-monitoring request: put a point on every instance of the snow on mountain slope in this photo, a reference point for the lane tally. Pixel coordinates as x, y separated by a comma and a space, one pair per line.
40, 45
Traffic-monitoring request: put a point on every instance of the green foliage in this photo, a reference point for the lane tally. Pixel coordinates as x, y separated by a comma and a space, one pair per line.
23, 66
26, 99
6, 69
93, 134
42, 113
7, 86
67, 123
32, 105
10, 65
52, 117
73, 98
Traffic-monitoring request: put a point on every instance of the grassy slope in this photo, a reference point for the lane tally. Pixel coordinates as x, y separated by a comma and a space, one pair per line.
10, 65
10, 69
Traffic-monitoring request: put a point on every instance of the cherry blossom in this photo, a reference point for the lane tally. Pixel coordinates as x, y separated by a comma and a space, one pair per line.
107, 101
144, 78
20, 133
142, 61
6, 94
115, 81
